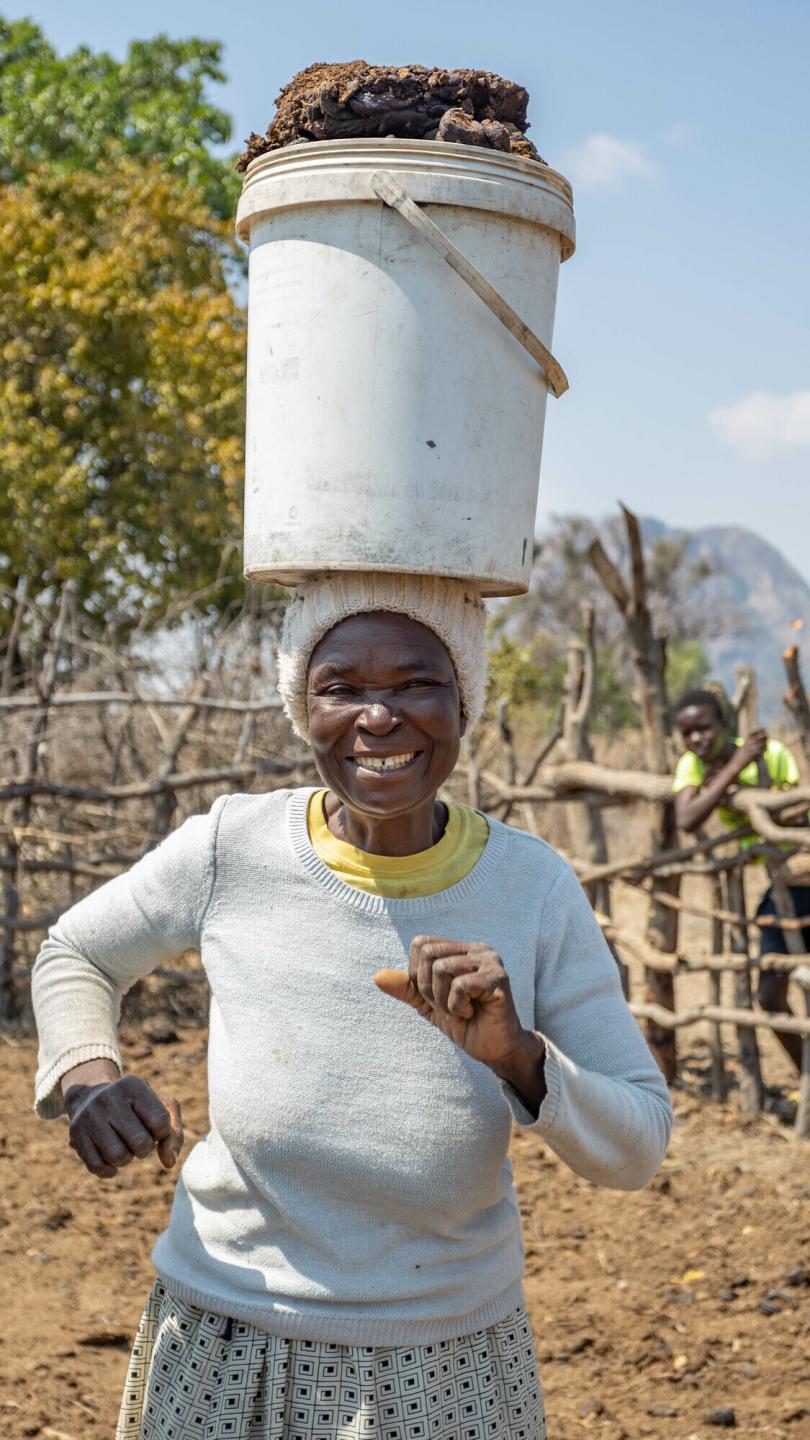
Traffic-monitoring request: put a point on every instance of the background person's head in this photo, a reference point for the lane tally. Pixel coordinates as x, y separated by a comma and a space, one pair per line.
702, 723
382, 675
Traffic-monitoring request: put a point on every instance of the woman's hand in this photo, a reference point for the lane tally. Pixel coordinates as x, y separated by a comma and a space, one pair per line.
118, 1120
463, 989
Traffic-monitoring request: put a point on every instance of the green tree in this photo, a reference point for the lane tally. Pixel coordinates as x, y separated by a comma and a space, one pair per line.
71, 112
530, 674
121, 414
688, 667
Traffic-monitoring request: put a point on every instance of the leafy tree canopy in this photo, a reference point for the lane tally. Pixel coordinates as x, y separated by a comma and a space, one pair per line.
121, 414
69, 112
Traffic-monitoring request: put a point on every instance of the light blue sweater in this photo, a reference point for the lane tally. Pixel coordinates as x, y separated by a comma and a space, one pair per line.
354, 1185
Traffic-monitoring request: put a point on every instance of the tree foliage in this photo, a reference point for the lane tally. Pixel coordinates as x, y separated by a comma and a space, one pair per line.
563, 579
121, 416
70, 112
529, 664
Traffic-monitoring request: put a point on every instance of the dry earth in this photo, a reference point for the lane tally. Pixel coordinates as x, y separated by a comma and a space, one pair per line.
650, 1310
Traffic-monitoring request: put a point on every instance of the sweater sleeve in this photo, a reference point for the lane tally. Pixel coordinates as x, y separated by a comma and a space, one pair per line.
114, 936
607, 1111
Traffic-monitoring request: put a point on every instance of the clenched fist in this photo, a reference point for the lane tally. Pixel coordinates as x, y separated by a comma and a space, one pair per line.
463, 989
116, 1121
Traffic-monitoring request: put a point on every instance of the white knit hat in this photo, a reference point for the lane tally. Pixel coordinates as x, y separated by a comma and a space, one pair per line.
450, 608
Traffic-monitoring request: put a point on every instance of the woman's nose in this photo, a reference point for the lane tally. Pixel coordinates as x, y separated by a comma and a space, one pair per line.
377, 717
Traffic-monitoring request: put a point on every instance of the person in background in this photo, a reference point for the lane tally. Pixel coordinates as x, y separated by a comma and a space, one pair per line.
713, 763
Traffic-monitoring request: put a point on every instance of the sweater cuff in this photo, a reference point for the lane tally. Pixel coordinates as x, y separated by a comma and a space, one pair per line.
546, 1116
49, 1104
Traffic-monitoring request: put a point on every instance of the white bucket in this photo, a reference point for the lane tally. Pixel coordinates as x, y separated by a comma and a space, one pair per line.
393, 423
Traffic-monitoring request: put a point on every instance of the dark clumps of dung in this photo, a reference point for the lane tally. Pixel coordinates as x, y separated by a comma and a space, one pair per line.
408, 102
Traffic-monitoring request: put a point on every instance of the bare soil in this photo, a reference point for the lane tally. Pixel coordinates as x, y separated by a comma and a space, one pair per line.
356, 100
651, 1311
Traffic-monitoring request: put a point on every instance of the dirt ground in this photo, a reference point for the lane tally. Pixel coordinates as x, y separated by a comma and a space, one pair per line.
652, 1311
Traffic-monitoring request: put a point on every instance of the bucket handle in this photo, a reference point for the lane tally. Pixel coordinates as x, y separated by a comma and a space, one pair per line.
389, 189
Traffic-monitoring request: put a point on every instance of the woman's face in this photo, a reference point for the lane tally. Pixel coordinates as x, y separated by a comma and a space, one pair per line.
385, 718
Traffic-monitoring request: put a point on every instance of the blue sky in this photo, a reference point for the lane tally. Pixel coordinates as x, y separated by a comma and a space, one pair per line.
684, 318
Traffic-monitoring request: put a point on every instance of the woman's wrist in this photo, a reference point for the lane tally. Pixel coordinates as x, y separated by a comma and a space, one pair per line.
89, 1073
523, 1070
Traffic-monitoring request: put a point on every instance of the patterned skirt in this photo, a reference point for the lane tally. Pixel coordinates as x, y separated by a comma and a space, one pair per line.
196, 1374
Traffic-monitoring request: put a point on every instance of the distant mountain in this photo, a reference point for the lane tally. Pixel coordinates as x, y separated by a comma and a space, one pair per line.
761, 591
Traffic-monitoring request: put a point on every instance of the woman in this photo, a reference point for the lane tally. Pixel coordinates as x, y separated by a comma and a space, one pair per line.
344, 1256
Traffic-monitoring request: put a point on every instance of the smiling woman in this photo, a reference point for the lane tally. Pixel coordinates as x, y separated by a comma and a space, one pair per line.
385, 723
394, 982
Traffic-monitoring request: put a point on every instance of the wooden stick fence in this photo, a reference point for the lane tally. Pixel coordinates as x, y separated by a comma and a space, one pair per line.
77, 807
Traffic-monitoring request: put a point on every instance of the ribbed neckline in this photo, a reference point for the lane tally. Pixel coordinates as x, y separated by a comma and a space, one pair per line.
427, 872
381, 904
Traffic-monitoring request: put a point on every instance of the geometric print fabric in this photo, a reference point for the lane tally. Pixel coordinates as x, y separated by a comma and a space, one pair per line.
194, 1375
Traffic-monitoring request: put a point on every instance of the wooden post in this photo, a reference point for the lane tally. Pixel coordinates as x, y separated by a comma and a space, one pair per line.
796, 698
587, 828
745, 704
795, 944
662, 932
649, 662
801, 1126
648, 649
20, 600
719, 1077
14, 873
751, 1088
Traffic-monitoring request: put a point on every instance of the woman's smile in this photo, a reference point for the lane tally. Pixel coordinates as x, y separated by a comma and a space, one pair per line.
384, 764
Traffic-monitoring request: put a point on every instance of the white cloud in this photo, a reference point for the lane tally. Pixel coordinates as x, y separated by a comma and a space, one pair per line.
605, 160
761, 425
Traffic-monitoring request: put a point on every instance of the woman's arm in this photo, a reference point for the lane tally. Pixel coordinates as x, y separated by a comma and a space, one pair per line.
582, 1076
607, 1111
100, 947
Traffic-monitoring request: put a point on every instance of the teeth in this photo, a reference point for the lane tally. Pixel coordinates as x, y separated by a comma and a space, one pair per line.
391, 762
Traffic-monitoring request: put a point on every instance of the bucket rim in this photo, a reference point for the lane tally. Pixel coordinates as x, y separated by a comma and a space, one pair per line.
324, 171
289, 577
388, 145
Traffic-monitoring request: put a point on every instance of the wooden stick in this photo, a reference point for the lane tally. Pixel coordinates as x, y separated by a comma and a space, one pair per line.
20, 599
150, 787
795, 943
796, 697
719, 1075
802, 1122
13, 878
751, 1087
57, 867
641, 866
126, 697
574, 777
724, 1015
714, 912
545, 749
